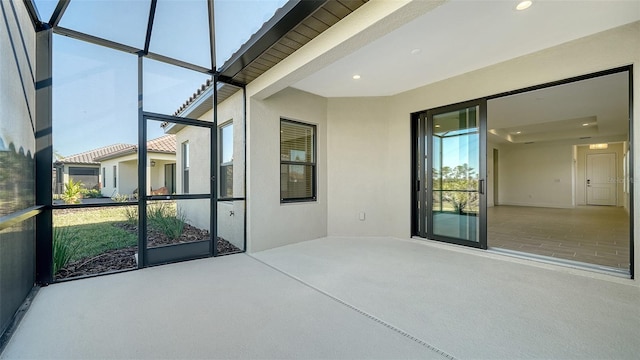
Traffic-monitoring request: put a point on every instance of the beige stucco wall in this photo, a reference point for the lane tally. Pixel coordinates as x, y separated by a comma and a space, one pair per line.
230, 220
270, 223
231, 213
198, 211
359, 166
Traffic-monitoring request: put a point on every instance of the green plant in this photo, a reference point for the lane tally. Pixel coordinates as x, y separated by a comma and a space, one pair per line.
90, 193
72, 192
458, 187
166, 219
120, 198
96, 229
131, 213
65, 246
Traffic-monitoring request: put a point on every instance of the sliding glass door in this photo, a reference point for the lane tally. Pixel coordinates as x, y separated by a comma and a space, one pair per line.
451, 163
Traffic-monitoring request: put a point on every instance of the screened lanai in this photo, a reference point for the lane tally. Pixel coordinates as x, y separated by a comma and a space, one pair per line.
117, 156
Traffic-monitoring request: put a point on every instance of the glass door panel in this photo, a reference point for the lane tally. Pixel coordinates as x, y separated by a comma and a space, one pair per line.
455, 174
452, 151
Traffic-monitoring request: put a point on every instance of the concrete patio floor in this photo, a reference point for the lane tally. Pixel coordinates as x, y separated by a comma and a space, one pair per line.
338, 298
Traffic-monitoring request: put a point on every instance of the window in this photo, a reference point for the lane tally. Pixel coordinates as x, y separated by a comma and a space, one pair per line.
226, 161
104, 176
87, 176
297, 161
115, 176
185, 167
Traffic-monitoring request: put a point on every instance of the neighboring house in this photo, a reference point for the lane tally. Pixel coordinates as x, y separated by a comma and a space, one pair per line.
113, 169
82, 167
119, 169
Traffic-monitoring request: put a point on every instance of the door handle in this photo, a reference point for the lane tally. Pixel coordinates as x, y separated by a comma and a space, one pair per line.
481, 186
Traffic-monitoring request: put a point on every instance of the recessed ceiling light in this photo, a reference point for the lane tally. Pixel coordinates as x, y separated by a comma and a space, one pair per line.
415, 51
523, 5
356, 77
518, 132
586, 124
437, 125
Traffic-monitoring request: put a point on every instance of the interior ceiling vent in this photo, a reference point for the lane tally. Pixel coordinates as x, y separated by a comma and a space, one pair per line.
585, 137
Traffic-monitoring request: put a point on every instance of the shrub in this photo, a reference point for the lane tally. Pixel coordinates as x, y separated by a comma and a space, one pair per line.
72, 192
65, 246
131, 213
90, 193
120, 198
163, 218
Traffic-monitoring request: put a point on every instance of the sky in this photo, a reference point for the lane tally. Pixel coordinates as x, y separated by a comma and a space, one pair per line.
95, 88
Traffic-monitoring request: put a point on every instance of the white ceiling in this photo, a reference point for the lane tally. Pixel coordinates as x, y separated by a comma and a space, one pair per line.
461, 36
560, 112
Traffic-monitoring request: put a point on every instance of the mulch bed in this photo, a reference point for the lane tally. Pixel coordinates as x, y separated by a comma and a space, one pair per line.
123, 259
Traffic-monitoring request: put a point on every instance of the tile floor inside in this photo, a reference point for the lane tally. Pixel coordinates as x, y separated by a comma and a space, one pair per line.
591, 234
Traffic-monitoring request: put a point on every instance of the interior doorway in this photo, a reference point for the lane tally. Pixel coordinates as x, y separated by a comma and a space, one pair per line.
600, 182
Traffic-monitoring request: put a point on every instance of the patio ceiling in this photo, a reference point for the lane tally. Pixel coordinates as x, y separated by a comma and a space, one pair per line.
458, 37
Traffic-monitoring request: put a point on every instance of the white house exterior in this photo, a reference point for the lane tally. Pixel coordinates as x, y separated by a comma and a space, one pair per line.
119, 169
83, 167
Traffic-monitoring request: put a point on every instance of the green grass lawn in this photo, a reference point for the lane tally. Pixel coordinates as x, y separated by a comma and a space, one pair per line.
94, 230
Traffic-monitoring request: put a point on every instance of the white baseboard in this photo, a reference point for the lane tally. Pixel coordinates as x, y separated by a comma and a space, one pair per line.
546, 205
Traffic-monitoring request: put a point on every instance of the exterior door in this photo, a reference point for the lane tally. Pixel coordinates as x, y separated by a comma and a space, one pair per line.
601, 175
452, 158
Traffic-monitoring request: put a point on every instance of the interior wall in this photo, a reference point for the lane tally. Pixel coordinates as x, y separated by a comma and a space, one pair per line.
581, 166
357, 149
270, 223
537, 174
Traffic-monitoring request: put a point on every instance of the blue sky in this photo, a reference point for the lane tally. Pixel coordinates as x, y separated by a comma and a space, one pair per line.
459, 150
95, 89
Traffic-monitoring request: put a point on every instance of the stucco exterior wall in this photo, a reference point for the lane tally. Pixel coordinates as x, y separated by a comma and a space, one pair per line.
231, 213
358, 166
199, 139
126, 175
230, 220
270, 223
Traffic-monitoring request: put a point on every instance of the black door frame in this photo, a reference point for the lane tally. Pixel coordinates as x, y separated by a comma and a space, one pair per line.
177, 252
423, 219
